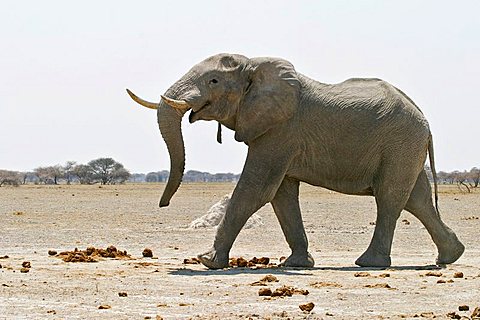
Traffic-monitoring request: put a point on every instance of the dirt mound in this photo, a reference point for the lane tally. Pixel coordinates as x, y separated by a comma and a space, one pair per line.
216, 213
92, 254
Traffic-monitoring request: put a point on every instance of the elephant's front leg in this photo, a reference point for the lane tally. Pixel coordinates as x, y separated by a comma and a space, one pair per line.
287, 209
258, 184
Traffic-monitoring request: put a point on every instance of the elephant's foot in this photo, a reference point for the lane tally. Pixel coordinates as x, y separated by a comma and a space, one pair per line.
214, 260
304, 260
370, 258
450, 251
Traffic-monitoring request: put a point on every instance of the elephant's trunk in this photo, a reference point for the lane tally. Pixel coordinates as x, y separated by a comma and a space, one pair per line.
170, 124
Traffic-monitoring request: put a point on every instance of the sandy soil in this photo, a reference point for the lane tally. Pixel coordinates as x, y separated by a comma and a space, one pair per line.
36, 219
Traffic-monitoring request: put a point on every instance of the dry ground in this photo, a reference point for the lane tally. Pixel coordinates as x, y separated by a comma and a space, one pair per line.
36, 219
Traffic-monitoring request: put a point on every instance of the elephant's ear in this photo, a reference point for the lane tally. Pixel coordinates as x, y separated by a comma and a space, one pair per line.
271, 97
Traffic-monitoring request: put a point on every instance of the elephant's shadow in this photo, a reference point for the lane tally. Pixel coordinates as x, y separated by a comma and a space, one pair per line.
184, 271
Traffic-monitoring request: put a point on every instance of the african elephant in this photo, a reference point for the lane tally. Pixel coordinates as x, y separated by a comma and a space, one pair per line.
358, 137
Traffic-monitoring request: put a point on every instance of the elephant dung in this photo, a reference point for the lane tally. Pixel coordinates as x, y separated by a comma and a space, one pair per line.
91, 254
265, 292
147, 253
238, 262
265, 280
307, 306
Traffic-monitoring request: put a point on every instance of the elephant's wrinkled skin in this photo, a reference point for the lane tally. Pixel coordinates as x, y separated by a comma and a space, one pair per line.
360, 137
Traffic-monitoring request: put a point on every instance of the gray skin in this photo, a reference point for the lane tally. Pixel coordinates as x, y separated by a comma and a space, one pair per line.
358, 137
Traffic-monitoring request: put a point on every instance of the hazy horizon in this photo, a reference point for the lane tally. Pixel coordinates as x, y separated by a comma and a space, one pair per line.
65, 67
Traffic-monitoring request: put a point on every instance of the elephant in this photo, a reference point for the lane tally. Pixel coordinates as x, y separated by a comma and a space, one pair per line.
362, 136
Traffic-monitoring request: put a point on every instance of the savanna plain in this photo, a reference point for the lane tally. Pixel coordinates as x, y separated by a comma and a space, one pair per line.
37, 285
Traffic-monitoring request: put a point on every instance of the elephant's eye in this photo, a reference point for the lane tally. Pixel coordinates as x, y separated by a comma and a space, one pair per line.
213, 81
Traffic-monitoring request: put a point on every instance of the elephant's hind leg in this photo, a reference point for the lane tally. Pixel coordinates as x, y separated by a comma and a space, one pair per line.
391, 195
287, 209
421, 206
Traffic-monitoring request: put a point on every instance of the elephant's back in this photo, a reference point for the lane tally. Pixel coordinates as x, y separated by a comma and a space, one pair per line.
351, 128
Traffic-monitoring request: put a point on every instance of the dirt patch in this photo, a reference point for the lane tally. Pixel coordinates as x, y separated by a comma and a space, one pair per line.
55, 220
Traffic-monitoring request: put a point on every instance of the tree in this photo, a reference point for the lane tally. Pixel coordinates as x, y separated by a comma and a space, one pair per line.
462, 178
68, 172
9, 177
83, 173
49, 175
474, 176
108, 171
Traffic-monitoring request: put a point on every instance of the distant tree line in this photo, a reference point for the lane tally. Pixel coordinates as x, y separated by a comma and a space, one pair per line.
467, 180
101, 170
192, 176
109, 171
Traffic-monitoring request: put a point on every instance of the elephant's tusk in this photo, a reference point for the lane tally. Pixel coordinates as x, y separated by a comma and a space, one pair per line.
177, 104
144, 103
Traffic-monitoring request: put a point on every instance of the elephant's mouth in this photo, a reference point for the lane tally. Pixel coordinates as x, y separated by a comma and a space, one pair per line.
195, 114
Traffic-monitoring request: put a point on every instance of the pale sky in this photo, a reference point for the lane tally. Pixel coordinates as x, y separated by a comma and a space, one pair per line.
64, 67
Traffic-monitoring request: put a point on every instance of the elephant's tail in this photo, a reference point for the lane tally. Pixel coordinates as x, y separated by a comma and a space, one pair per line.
432, 167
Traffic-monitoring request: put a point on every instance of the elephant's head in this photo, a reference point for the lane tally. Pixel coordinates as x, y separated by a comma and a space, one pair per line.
249, 96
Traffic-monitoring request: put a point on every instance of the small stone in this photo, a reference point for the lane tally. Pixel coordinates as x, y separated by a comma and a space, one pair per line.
269, 278
463, 308
265, 292
26, 264
122, 294
433, 274
384, 275
25, 270
104, 306
191, 261
52, 252
307, 306
458, 275
147, 253
441, 281
264, 260
453, 315
361, 274
427, 315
